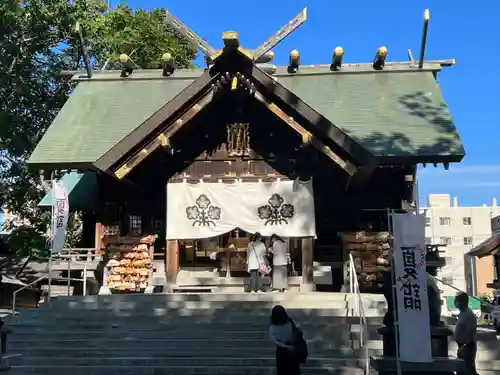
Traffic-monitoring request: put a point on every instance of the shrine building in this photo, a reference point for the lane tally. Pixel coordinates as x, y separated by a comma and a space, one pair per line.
205, 157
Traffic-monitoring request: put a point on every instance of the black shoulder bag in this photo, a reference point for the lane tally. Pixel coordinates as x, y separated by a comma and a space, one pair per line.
299, 343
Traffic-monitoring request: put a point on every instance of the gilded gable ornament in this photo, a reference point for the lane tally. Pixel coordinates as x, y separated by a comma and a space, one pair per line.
238, 140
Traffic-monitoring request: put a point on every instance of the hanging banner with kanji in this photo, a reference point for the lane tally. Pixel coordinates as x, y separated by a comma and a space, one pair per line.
411, 287
207, 209
60, 214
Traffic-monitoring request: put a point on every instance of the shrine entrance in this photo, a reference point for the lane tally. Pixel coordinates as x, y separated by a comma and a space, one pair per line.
226, 254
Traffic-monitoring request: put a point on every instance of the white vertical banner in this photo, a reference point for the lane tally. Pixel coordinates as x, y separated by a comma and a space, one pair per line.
60, 214
411, 287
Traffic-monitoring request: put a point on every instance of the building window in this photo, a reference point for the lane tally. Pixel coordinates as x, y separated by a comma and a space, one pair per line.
428, 240
448, 261
135, 225
467, 221
445, 240
427, 221
467, 240
444, 221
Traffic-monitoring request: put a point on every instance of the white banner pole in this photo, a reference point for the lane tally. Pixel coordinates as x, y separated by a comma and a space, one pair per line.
52, 231
60, 216
394, 292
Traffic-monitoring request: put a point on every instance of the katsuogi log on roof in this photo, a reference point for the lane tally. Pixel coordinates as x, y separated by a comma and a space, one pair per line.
380, 113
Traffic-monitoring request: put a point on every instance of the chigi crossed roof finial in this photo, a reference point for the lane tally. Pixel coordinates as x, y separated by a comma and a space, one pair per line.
260, 54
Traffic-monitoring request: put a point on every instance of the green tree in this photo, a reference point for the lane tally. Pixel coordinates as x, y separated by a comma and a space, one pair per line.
37, 41
140, 34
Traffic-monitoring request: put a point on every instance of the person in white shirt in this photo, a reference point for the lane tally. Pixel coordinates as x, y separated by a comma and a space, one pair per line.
256, 253
280, 264
465, 334
281, 332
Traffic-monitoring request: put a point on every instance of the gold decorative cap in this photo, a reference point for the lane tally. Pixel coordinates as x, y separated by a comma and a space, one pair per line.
338, 51
382, 51
229, 35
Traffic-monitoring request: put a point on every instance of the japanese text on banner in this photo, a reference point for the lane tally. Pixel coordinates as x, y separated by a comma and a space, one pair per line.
411, 287
60, 215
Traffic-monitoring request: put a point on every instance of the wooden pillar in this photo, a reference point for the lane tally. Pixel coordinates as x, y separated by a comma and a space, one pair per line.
307, 284
172, 260
99, 236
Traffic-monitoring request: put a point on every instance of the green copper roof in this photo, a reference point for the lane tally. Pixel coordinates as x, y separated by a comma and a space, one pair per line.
82, 191
390, 114
399, 113
100, 114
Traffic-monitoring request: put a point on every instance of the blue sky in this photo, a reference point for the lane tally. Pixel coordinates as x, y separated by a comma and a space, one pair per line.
458, 29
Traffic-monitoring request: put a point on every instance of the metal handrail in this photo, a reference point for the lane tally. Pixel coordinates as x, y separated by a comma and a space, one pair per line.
23, 288
69, 278
355, 294
75, 254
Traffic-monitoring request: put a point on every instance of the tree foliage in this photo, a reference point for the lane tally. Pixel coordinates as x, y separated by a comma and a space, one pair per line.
37, 41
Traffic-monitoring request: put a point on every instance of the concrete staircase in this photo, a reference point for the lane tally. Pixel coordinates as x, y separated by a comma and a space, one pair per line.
181, 334
184, 334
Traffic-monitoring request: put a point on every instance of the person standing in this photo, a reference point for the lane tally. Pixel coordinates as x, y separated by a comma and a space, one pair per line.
280, 264
256, 253
465, 334
282, 332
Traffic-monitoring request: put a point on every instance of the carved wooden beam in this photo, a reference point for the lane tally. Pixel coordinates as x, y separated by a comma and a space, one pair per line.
163, 139
307, 136
281, 34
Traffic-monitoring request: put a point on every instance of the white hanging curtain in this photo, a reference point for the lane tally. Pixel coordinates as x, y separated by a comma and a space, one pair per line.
206, 210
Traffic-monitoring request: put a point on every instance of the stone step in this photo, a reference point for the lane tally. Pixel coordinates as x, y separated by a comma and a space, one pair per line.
164, 324
338, 332
338, 352
210, 305
198, 322
198, 361
240, 306
212, 361
225, 313
317, 347
133, 351
167, 343
173, 370
171, 334
235, 296
219, 297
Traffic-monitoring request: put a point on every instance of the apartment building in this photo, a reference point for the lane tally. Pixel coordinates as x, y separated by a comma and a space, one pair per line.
460, 228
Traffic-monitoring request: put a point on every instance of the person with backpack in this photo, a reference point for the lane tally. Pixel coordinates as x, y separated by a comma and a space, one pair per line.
291, 348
